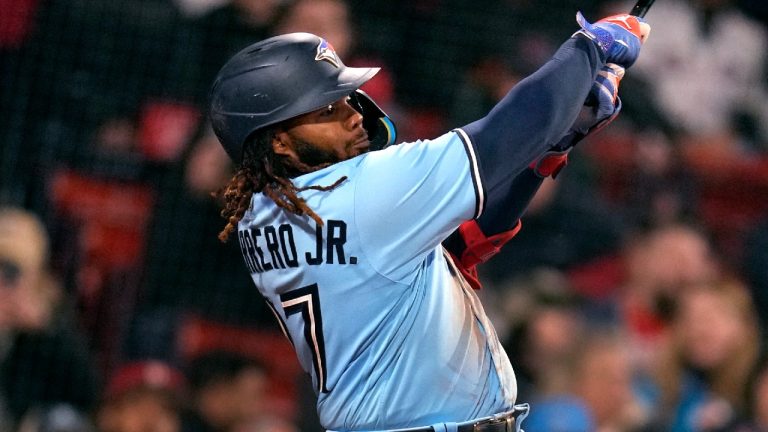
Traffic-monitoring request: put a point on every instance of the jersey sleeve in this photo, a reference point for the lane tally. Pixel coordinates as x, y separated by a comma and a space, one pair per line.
410, 197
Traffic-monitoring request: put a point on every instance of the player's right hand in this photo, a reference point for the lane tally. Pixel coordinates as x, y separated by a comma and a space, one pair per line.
601, 108
604, 94
618, 36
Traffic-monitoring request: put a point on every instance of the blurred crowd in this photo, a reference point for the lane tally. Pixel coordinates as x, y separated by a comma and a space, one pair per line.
635, 298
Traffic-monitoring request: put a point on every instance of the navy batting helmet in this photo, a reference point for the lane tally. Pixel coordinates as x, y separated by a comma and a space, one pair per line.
283, 77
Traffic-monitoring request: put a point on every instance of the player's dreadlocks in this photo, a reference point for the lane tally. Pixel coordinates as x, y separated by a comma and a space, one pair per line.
263, 171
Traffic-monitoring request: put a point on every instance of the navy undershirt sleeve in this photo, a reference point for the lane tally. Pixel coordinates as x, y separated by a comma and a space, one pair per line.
532, 117
506, 205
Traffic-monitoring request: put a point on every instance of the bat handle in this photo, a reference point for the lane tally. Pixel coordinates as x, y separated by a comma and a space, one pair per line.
641, 8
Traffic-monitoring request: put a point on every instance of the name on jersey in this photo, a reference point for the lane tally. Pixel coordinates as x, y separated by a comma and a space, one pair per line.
273, 247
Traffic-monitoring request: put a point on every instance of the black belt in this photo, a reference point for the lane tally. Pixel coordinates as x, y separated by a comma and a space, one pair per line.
508, 421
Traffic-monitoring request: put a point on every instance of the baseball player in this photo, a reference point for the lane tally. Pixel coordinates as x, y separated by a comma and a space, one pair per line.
366, 257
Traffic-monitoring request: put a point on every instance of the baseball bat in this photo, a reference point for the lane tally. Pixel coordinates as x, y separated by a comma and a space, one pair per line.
641, 8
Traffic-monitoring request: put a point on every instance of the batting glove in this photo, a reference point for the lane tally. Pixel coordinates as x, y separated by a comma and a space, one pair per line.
602, 107
618, 36
604, 95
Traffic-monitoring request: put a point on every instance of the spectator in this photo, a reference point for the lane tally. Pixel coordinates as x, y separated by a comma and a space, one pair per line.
44, 361
228, 394
598, 394
144, 396
659, 263
546, 332
603, 377
577, 372
707, 365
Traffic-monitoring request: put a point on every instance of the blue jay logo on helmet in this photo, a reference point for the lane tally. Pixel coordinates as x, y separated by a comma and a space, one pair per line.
325, 52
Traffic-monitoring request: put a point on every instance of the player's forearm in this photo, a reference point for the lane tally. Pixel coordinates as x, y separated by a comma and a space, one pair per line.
478, 240
505, 208
507, 204
535, 113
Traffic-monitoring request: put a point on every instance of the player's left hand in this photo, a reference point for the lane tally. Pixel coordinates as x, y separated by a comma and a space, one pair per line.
618, 36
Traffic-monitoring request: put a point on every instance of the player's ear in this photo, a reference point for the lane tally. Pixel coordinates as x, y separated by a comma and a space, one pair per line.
280, 144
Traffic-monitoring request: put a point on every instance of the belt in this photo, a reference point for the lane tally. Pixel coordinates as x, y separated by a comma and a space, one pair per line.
508, 421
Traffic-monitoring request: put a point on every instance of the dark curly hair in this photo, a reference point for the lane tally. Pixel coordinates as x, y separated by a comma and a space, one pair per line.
264, 171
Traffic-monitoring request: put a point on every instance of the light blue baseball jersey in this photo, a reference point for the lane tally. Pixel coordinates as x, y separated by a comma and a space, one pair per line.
390, 333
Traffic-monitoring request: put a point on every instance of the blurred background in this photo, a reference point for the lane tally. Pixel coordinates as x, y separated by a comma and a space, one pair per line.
635, 297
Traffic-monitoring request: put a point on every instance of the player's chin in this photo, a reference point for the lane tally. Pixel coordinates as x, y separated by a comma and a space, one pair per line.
359, 148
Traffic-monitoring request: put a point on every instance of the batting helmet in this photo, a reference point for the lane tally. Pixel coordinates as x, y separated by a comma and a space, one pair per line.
280, 78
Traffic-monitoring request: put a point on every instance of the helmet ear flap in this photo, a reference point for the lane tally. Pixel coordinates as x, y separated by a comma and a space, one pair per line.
381, 129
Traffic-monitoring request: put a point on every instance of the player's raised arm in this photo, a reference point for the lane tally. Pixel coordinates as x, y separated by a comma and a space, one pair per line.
538, 111
476, 241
